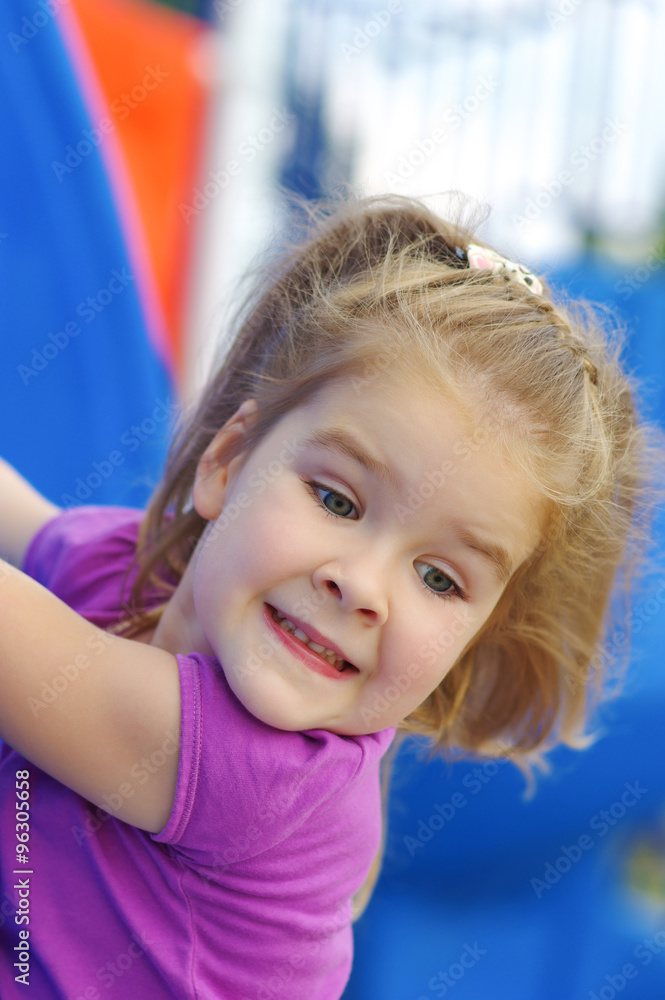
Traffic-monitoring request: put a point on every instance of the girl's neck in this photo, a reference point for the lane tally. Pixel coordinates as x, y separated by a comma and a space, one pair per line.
178, 629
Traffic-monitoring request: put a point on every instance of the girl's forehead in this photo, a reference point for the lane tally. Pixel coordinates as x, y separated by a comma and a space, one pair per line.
414, 411
431, 449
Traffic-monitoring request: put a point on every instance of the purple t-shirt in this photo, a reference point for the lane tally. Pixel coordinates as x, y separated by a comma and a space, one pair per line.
246, 892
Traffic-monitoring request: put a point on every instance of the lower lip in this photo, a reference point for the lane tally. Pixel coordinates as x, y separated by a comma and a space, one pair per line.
303, 652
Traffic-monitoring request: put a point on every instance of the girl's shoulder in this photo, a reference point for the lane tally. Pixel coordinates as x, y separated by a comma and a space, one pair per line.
267, 783
271, 752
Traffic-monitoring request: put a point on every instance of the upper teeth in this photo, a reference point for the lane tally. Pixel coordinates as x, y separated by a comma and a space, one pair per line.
328, 654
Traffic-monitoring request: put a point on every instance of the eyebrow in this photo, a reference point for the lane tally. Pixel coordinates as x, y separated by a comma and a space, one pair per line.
492, 552
344, 442
340, 440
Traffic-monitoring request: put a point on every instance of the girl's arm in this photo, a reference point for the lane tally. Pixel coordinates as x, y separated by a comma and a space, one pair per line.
22, 512
85, 706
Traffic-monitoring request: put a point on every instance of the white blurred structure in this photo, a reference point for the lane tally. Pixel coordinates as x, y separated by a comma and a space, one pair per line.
549, 113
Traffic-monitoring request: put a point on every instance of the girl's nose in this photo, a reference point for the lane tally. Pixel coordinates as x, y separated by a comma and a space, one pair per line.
355, 589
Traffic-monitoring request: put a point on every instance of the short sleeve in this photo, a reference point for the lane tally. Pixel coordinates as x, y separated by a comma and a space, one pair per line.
84, 556
243, 787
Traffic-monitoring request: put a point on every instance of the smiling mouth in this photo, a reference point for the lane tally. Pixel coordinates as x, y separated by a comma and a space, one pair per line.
327, 655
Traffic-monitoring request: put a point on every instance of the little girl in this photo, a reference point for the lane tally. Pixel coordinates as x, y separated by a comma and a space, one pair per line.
400, 504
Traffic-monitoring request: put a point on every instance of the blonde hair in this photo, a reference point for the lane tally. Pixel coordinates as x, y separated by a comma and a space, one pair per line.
382, 285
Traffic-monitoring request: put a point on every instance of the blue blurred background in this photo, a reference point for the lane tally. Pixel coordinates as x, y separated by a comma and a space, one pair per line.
146, 152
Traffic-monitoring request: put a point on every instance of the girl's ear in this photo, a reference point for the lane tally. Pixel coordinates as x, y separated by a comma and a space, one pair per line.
213, 473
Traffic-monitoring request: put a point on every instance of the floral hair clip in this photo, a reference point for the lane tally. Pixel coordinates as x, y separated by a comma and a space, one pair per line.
488, 260
482, 259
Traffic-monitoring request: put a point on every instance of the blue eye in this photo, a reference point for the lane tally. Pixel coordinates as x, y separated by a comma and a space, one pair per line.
333, 503
439, 583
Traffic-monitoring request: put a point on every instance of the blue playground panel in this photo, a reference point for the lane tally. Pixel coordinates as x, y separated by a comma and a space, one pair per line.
86, 400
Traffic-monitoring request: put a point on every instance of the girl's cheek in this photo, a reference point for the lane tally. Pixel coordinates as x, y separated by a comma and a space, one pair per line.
424, 671
285, 520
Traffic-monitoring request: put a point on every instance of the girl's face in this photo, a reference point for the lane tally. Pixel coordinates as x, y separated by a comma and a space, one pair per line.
378, 522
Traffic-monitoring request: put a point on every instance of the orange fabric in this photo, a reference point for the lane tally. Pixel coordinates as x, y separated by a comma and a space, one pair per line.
144, 55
